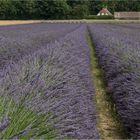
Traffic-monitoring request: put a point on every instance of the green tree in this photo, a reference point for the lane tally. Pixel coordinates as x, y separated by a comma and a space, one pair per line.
28, 8
95, 6
53, 9
79, 11
5, 9
79, 8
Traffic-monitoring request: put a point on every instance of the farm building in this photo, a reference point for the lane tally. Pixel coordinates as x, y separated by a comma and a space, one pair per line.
127, 15
104, 11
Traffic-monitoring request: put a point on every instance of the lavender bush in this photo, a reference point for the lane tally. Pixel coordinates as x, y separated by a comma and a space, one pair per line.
20, 40
118, 49
53, 80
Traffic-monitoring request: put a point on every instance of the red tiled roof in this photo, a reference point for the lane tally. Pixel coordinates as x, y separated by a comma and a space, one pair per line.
105, 11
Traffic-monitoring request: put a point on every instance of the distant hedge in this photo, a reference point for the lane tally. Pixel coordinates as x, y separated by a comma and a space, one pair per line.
128, 18
99, 17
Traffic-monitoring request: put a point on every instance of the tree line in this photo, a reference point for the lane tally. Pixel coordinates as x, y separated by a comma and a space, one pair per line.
61, 9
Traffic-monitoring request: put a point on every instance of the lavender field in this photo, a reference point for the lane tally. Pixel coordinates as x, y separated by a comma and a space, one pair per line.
46, 87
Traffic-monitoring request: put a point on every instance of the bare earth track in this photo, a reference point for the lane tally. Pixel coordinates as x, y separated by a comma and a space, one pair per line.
108, 121
14, 22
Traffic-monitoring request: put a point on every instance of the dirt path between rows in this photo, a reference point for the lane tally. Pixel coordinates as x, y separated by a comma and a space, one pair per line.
108, 122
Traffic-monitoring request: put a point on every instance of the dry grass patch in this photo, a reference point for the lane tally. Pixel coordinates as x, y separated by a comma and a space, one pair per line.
14, 22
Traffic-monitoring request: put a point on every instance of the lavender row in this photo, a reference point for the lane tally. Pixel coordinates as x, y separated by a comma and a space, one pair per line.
118, 50
20, 40
58, 79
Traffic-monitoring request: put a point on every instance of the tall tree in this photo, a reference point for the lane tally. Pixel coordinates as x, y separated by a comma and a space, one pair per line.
79, 8
52, 9
95, 6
